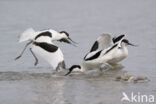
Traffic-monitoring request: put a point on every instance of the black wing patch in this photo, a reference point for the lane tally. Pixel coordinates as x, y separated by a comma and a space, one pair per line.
95, 46
118, 38
46, 46
111, 48
47, 33
93, 57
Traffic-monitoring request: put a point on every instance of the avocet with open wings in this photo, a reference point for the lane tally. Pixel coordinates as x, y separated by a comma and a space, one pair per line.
41, 44
105, 50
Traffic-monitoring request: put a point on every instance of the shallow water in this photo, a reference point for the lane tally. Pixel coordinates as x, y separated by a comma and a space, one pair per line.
22, 83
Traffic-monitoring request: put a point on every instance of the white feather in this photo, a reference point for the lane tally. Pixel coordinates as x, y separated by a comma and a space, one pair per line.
90, 54
114, 53
28, 34
105, 41
53, 58
120, 42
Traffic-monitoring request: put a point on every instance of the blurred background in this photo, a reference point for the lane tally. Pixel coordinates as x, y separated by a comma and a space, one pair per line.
84, 20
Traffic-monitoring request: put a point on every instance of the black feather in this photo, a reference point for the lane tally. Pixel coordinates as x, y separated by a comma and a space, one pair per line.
46, 46
95, 46
118, 38
93, 57
47, 33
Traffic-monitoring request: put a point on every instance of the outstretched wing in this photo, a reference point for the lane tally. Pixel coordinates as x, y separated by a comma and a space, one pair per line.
103, 41
28, 34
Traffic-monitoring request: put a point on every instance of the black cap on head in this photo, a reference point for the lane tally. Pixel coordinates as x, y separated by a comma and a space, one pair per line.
65, 33
126, 41
67, 41
73, 67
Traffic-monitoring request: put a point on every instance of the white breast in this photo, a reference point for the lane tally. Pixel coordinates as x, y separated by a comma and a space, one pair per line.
119, 55
53, 58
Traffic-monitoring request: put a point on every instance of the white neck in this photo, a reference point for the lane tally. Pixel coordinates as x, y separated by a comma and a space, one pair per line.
125, 49
43, 39
55, 35
123, 45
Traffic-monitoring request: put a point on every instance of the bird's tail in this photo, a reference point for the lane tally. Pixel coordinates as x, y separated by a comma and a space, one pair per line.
28, 34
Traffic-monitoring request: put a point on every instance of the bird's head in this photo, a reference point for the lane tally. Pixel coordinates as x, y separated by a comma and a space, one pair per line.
75, 68
126, 42
66, 38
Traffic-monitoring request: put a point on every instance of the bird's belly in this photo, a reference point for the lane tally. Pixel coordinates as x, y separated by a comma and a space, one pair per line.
92, 64
115, 60
51, 57
119, 56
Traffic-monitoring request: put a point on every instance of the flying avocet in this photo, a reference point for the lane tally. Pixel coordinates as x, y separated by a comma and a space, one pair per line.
41, 44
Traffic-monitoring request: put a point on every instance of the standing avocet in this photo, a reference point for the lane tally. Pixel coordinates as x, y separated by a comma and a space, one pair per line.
105, 41
41, 44
111, 52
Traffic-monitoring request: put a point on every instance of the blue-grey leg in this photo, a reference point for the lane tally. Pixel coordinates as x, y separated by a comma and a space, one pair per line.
23, 50
63, 64
36, 60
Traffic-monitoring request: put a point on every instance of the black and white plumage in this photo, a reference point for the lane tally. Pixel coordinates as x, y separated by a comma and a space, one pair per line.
104, 41
31, 35
105, 50
49, 52
42, 45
